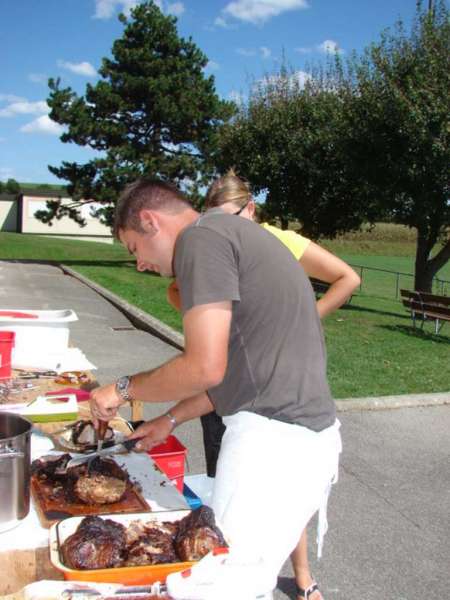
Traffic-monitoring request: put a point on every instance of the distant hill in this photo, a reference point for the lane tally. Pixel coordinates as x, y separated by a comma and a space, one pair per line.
54, 187
51, 187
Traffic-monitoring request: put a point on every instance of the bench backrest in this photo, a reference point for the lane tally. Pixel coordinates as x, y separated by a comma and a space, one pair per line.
426, 303
425, 297
319, 286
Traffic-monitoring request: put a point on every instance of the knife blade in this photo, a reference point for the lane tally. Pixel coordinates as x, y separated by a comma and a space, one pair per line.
101, 432
126, 445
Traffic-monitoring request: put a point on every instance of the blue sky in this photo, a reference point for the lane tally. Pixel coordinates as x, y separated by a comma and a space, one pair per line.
243, 40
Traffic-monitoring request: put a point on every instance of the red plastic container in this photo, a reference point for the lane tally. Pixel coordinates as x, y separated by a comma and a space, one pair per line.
6, 346
170, 458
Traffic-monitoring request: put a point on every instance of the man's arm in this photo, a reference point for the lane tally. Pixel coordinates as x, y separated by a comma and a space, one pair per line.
201, 366
157, 430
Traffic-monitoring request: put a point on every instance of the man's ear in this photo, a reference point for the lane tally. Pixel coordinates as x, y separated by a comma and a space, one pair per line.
149, 220
251, 208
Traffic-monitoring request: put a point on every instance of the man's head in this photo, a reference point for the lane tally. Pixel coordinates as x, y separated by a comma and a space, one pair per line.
149, 216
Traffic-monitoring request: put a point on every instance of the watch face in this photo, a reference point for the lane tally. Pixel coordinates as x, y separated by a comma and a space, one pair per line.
122, 385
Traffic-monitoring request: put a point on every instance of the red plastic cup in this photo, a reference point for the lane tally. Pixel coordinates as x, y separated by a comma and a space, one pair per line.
6, 346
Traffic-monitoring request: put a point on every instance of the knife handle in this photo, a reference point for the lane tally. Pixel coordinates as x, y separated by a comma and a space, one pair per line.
101, 431
130, 444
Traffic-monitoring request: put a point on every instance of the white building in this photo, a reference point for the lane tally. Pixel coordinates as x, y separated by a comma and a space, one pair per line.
17, 214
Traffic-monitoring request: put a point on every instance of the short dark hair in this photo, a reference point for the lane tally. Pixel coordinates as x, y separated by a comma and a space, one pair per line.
146, 193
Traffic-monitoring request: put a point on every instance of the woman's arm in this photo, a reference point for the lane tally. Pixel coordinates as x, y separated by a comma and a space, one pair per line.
321, 264
173, 296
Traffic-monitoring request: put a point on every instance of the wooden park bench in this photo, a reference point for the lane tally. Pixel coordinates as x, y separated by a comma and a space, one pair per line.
427, 307
321, 287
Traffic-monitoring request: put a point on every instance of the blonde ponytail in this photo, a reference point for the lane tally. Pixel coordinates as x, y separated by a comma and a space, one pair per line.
228, 188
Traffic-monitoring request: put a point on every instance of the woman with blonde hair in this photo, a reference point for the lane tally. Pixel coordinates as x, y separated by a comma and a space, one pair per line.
232, 194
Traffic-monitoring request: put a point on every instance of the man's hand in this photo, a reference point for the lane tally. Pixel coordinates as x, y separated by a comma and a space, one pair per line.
105, 402
152, 433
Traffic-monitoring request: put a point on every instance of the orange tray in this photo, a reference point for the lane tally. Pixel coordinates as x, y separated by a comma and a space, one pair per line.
141, 575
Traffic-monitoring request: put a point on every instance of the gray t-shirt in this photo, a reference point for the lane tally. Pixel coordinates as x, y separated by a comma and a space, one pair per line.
276, 355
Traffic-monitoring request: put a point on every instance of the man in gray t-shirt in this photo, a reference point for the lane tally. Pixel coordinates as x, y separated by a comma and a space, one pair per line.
253, 341
276, 354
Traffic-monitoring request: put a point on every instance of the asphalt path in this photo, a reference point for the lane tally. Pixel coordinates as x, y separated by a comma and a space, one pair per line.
389, 514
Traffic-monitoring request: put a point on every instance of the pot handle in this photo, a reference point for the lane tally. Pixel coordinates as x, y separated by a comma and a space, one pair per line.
10, 453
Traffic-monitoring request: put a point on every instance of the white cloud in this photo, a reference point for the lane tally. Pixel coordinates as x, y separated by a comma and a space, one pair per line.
326, 47
11, 98
298, 78
176, 9
263, 51
221, 22
246, 51
258, 12
329, 47
6, 173
213, 65
82, 68
105, 9
38, 77
23, 107
44, 125
237, 97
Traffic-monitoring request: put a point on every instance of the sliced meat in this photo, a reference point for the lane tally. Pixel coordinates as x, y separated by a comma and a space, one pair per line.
152, 548
99, 489
85, 434
100, 481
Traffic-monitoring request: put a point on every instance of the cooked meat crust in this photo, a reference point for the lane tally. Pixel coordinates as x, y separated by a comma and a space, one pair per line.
99, 489
198, 534
84, 434
97, 544
100, 481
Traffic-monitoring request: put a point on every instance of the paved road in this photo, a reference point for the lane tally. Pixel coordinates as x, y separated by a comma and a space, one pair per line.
389, 520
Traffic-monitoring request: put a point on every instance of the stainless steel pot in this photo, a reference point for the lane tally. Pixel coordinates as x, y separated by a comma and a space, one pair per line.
15, 434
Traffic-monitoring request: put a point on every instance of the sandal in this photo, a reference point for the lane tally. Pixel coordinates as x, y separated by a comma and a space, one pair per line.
306, 593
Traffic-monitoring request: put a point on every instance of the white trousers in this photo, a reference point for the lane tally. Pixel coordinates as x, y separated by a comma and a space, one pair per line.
271, 478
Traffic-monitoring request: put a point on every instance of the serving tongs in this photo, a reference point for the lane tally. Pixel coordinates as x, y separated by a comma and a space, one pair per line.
109, 591
124, 446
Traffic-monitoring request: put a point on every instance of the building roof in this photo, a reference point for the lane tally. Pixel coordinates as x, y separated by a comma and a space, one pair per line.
44, 193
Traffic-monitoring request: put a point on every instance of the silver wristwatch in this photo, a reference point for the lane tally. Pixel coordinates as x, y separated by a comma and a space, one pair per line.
122, 387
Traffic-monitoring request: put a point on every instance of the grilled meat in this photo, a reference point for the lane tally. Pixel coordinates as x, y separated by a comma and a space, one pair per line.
96, 544
151, 548
100, 481
84, 434
198, 534
51, 467
102, 543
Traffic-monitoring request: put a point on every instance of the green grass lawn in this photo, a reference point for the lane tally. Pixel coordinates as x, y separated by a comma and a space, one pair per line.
372, 347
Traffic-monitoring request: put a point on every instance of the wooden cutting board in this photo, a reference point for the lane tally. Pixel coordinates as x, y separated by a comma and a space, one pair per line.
51, 509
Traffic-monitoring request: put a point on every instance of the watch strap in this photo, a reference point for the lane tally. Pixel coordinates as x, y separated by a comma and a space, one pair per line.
172, 419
